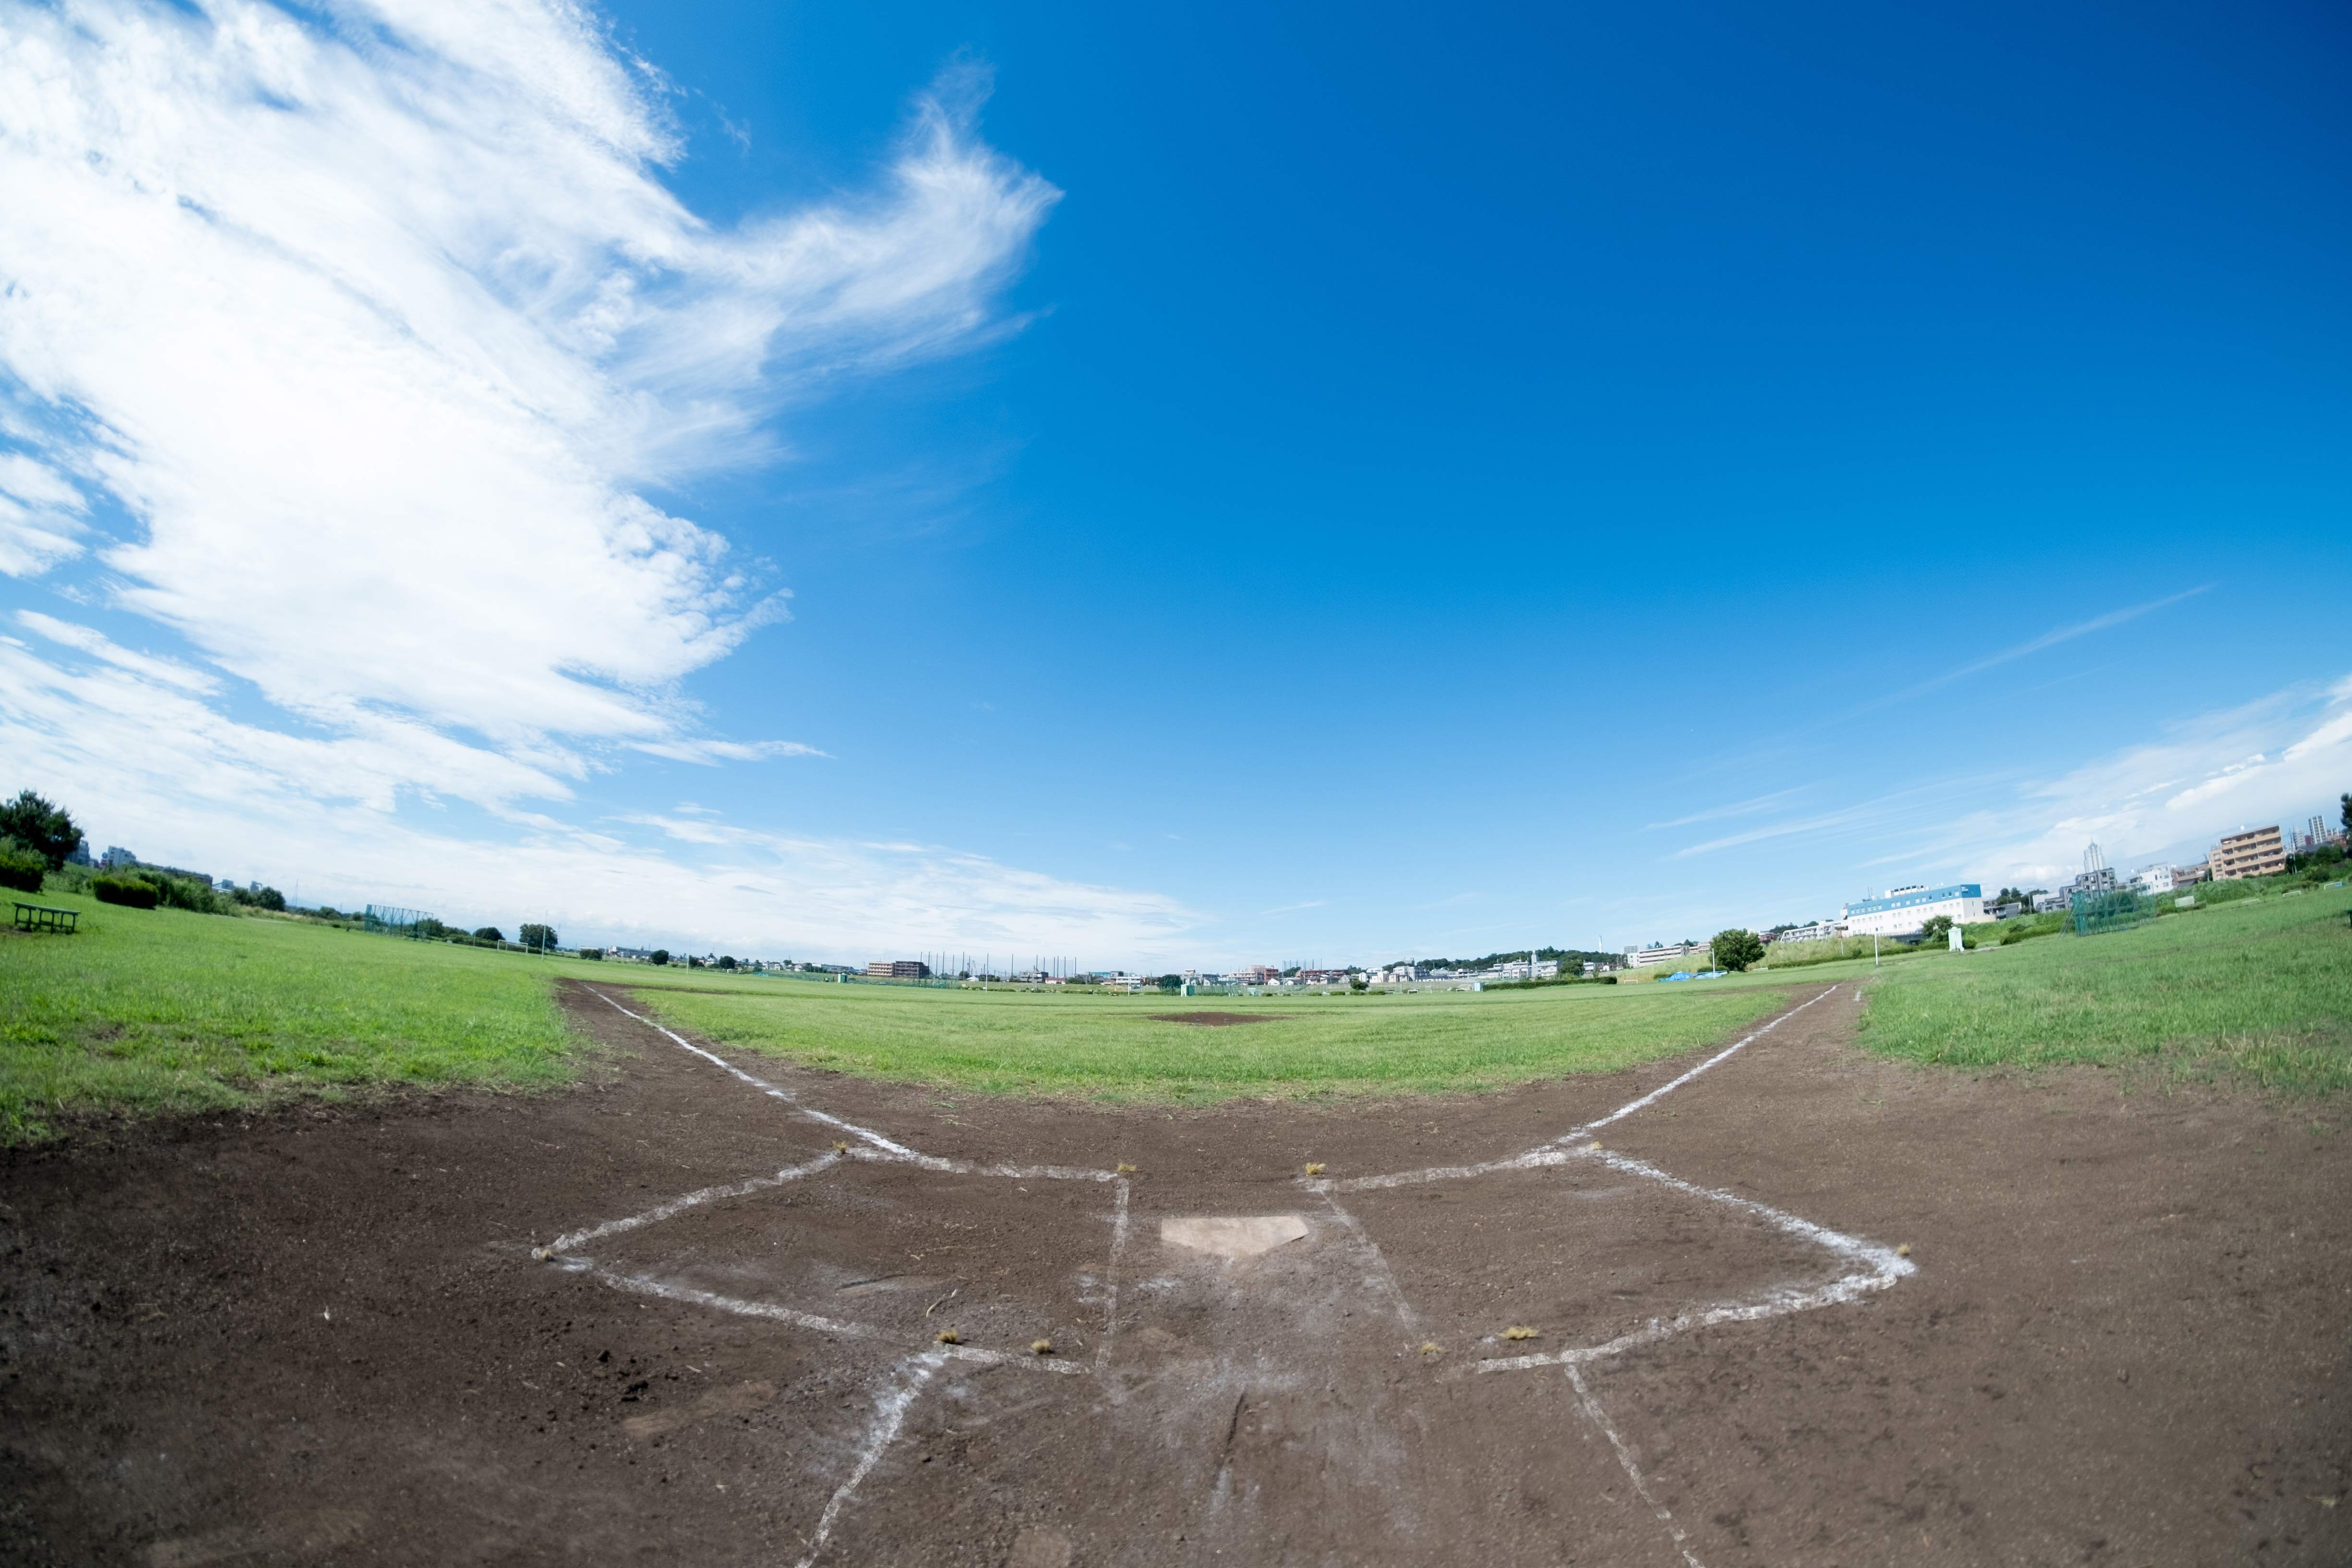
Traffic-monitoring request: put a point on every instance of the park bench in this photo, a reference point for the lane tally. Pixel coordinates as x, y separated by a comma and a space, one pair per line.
40, 917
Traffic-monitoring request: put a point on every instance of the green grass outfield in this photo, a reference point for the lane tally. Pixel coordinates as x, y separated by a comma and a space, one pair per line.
1111, 1047
2259, 990
150, 1011
156, 1010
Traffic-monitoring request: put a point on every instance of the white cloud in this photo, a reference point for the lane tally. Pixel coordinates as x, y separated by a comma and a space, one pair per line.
378, 326
152, 765
372, 326
2277, 760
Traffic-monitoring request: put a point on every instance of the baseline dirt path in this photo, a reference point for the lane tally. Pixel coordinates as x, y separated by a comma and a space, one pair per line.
676, 1316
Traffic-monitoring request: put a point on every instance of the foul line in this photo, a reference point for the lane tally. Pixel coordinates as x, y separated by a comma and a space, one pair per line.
1553, 1153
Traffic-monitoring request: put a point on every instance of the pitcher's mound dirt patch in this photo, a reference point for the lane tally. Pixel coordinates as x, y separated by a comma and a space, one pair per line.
1217, 1020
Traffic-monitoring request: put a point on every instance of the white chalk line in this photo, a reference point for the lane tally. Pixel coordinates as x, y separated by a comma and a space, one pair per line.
762, 1085
563, 1244
1381, 1274
909, 1375
670, 1291
1110, 1277
1554, 1152
1598, 1417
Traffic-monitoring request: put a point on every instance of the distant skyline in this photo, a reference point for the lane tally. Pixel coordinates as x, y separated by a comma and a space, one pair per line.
1171, 491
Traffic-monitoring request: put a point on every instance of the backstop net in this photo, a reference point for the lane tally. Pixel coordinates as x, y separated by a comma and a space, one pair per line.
387, 920
2095, 913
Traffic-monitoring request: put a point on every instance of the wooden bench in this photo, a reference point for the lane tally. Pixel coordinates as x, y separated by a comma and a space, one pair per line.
40, 917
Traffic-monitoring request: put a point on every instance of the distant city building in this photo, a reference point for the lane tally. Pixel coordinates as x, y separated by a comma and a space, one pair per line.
2051, 903
2257, 852
1904, 910
1819, 931
897, 969
1638, 957
1322, 977
2152, 880
81, 855
116, 855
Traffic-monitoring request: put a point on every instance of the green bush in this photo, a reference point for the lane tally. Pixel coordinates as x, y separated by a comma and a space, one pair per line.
21, 867
182, 893
131, 892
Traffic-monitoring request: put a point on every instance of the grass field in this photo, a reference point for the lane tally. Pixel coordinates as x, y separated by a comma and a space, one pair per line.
150, 1011
1042, 1042
2260, 990
156, 1010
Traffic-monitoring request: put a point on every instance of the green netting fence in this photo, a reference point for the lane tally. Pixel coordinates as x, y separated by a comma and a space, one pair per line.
2098, 913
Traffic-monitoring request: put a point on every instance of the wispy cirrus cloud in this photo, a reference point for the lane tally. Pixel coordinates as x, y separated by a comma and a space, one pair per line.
376, 322
2277, 758
348, 346
2029, 646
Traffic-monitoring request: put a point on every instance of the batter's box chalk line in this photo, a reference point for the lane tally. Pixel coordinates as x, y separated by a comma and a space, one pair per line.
1872, 1267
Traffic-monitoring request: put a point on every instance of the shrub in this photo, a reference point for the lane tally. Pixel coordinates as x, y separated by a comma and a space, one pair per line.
659, 955
594, 953
259, 897
488, 933
21, 867
131, 892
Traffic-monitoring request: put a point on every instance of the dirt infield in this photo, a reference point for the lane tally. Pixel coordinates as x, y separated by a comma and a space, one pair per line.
692, 1313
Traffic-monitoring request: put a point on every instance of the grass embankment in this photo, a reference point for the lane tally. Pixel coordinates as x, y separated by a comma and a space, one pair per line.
1111, 1048
156, 1010
2259, 990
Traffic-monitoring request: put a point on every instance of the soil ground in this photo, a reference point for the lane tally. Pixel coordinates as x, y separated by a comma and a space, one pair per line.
322, 1336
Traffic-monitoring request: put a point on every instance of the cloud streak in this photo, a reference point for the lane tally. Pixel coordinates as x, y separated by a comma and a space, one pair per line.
347, 346
376, 328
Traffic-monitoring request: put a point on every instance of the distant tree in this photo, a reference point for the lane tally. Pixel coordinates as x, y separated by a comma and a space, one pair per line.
659, 955
48, 832
2347, 814
1937, 929
536, 937
431, 929
726, 961
1736, 949
595, 954
488, 933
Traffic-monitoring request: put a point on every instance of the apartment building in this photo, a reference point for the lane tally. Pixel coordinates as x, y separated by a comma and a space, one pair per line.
2257, 852
897, 969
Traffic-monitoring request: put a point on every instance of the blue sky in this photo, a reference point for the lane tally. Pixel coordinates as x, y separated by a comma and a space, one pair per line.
1156, 488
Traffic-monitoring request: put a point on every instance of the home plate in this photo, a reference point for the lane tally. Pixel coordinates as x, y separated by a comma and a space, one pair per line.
1232, 1236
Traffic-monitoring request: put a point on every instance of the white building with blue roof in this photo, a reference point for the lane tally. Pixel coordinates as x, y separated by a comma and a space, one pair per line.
1905, 910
